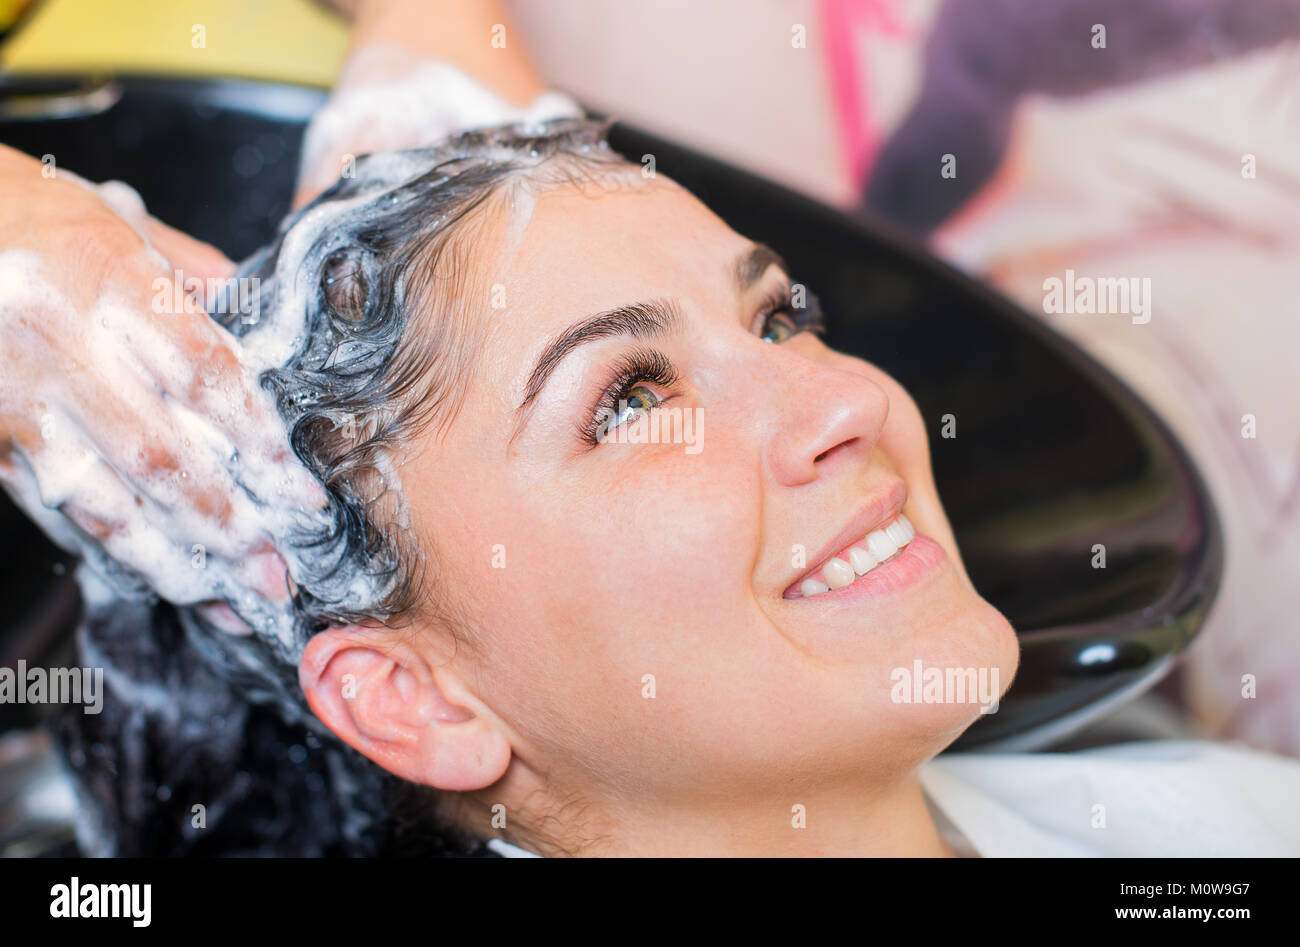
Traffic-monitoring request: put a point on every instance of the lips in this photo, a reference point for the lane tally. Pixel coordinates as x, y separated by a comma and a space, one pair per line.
880, 546
875, 534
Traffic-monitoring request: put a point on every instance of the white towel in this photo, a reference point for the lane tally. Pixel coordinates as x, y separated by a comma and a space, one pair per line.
1167, 798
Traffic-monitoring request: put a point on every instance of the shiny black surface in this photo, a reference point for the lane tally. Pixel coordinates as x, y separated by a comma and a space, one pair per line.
1052, 456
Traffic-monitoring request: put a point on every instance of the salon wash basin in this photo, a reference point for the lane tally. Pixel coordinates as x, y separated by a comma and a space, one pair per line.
1053, 456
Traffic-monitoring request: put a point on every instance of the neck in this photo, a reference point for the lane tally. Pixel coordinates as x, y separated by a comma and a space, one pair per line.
889, 821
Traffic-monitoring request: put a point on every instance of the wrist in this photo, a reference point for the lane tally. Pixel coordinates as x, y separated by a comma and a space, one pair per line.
474, 36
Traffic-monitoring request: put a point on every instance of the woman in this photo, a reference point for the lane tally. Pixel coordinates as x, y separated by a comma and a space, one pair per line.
553, 587
552, 631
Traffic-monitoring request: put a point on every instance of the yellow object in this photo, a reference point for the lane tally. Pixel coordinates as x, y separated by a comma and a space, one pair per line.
276, 40
9, 11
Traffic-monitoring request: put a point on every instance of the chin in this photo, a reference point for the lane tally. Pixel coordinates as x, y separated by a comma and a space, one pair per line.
968, 661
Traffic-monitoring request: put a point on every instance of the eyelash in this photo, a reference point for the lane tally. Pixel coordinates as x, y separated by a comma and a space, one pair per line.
809, 318
646, 366
631, 371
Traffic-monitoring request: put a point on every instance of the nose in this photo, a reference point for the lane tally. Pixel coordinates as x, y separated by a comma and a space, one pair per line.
826, 418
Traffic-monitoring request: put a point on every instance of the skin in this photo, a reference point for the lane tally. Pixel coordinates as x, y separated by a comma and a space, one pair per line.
118, 399
527, 688
477, 37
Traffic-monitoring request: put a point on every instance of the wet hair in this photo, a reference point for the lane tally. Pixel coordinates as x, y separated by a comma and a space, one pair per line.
361, 305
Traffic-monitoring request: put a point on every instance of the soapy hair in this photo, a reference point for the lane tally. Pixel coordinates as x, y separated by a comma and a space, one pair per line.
371, 278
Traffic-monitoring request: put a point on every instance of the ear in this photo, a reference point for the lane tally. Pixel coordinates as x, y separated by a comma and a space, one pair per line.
387, 702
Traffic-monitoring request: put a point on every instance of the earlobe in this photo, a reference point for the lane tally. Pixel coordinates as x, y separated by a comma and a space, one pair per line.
388, 703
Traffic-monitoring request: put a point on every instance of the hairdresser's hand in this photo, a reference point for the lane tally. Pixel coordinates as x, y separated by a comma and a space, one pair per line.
124, 409
417, 72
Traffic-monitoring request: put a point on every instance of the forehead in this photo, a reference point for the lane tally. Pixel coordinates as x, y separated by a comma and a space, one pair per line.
569, 253
582, 251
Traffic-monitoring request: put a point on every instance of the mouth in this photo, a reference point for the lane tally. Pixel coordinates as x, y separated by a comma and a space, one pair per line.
877, 536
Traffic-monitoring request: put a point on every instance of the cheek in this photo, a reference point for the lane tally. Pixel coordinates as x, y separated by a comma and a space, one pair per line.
611, 574
905, 442
666, 534
904, 437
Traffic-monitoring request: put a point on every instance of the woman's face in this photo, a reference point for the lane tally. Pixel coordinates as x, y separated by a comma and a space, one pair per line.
634, 622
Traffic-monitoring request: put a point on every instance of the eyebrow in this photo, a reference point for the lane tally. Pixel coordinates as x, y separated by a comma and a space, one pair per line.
642, 320
753, 263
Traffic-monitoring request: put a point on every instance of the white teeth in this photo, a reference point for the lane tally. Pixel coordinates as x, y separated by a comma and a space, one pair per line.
813, 587
863, 561
897, 532
838, 573
881, 546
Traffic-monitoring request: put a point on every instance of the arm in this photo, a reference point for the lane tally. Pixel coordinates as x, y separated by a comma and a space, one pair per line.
418, 71
457, 32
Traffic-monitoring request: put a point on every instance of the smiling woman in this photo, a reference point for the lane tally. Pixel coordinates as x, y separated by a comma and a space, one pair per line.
582, 643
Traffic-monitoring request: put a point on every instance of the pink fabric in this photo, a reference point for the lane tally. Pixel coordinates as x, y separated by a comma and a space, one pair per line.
841, 21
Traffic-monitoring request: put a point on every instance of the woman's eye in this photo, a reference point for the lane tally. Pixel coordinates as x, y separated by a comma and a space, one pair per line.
632, 392
778, 327
637, 400
634, 401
